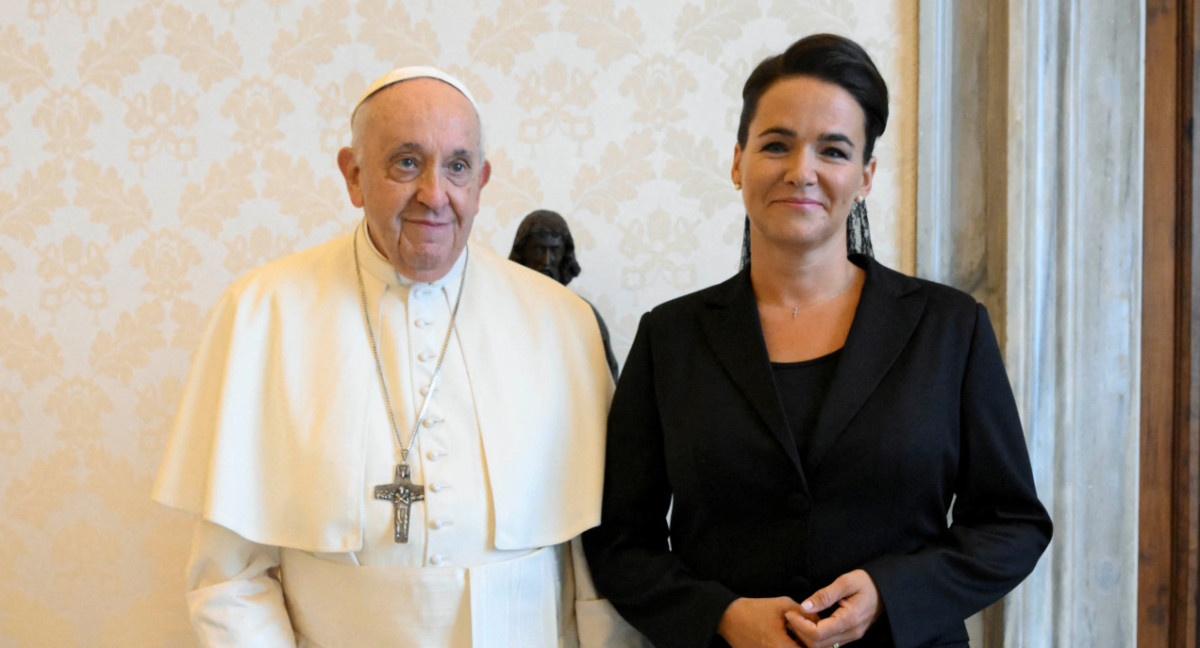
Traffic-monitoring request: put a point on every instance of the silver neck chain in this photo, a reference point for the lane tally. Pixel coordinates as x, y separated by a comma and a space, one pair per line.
387, 399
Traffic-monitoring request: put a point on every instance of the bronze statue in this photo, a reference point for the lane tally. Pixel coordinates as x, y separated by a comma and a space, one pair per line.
544, 243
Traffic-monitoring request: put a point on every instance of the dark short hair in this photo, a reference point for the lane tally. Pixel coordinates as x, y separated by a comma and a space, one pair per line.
544, 221
830, 58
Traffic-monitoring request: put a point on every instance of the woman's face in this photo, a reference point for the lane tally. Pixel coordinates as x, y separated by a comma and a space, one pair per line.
803, 165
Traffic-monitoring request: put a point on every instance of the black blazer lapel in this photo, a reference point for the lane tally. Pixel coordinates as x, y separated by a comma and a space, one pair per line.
733, 330
888, 312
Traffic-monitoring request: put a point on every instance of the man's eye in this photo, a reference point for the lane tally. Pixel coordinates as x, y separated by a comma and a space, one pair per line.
458, 167
406, 163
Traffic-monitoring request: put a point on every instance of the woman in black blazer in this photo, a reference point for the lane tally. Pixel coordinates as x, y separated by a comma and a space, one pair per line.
813, 422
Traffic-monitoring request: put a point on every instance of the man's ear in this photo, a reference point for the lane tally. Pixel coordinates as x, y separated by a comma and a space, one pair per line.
485, 174
348, 163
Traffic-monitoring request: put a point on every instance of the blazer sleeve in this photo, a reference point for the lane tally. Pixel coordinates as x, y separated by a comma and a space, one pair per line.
628, 552
998, 528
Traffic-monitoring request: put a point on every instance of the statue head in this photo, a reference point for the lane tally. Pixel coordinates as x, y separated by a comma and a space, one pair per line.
544, 243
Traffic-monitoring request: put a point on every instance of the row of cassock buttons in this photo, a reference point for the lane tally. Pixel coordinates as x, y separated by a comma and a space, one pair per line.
442, 522
432, 455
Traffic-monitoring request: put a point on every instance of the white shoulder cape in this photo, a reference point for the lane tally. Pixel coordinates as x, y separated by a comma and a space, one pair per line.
269, 438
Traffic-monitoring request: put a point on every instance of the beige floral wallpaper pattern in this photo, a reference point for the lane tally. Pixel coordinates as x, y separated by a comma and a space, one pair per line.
152, 151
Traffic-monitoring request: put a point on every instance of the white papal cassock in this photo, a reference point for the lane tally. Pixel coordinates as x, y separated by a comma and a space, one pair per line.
283, 433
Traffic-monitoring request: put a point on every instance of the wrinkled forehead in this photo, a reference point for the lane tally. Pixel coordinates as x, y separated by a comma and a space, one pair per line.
419, 106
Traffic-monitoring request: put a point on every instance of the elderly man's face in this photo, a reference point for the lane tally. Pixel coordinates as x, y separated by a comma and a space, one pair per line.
543, 251
416, 169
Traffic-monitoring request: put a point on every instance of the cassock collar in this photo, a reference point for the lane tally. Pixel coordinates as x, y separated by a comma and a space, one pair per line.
377, 265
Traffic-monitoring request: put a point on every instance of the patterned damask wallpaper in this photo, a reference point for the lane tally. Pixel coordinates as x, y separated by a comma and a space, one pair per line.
152, 151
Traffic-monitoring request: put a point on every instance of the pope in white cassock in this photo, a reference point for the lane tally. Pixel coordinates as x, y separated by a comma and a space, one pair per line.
393, 438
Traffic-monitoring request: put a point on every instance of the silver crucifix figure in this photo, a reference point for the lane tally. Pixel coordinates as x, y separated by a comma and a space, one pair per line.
402, 492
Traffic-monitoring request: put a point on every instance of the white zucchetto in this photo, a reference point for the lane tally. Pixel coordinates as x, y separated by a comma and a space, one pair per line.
413, 72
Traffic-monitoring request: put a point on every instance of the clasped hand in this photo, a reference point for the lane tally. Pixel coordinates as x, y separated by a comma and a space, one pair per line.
783, 623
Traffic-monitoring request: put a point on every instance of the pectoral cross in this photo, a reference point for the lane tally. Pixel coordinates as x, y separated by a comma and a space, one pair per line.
402, 492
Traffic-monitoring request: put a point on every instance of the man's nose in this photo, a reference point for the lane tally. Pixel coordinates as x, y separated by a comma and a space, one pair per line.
431, 189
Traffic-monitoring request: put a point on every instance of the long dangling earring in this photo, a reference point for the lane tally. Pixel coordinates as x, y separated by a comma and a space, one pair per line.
745, 244
858, 230
745, 236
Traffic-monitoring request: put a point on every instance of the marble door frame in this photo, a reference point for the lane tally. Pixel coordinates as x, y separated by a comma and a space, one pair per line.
1030, 197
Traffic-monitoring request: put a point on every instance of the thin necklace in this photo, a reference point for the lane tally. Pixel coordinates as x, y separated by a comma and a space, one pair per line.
402, 492
796, 309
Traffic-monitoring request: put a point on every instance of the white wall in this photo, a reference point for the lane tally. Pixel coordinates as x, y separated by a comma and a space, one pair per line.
152, 151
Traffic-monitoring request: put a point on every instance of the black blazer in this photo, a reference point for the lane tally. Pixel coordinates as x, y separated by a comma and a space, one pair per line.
919, 423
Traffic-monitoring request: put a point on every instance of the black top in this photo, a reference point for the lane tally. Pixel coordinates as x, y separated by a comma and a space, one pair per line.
802, 387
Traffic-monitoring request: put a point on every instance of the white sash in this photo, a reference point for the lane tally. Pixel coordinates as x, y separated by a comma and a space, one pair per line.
498, 605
